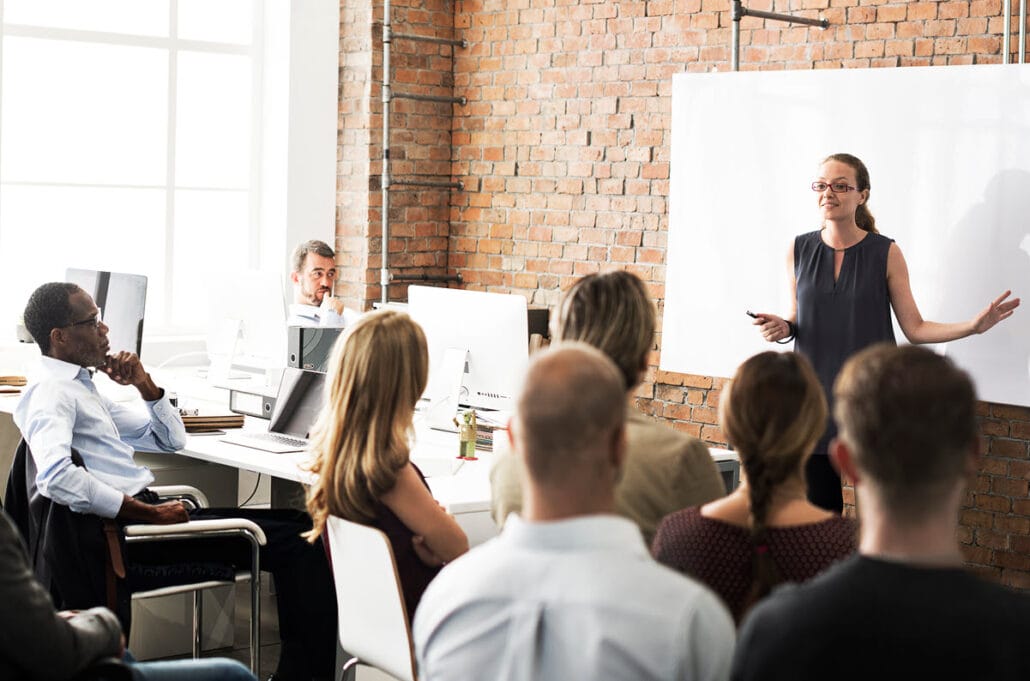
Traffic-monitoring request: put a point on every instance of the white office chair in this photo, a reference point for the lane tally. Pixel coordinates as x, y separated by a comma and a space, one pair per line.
207, 529
373, 620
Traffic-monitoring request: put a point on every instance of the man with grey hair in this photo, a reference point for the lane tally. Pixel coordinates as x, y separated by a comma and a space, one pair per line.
569, 590
314, 276
904, 607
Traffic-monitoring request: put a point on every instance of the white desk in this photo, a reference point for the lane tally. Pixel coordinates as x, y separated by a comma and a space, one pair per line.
465, 493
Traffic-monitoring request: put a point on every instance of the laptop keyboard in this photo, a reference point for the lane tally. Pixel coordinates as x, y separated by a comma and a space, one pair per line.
279, 438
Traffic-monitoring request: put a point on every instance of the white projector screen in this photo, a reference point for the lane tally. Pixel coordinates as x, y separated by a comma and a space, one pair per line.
948, 152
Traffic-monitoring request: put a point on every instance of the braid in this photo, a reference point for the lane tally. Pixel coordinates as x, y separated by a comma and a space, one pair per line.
764, 477
773, 412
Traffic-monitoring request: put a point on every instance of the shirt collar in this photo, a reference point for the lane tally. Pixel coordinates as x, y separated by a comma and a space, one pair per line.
51, 367
589, 532
305, 311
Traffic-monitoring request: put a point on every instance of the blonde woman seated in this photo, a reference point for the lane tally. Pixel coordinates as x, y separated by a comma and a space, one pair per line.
765, 532
361, 444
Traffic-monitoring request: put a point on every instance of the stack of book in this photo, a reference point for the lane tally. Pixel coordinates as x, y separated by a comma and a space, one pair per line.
11, 384
206, 423
485, 436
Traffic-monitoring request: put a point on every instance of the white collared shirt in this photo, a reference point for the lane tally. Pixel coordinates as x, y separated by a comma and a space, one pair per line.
309, 315
574, 599
63, 410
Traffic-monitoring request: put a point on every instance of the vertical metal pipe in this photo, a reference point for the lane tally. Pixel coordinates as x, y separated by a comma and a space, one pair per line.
737, 13
1006, 31
255, 605
1022, 31
198, 622
384, 271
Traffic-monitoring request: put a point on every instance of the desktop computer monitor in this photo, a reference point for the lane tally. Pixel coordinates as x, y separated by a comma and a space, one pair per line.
122, 299
489, 328
246, 322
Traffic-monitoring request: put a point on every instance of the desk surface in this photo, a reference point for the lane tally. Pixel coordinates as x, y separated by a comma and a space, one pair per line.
463, 488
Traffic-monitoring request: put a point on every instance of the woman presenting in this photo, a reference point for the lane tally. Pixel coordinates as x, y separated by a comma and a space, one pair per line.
844, 279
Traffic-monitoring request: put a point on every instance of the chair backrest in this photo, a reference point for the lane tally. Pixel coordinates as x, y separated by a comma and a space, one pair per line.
69, 552
373, 620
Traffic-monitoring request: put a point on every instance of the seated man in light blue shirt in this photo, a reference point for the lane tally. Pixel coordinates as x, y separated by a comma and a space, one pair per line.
569, 590
313, 277
62, 410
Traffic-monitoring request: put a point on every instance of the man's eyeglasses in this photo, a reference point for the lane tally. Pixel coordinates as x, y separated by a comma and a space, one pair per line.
836, 187
93, 320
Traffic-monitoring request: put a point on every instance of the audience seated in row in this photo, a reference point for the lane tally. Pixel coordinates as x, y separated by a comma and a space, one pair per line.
665, 469
904, 607
766, 531
568, 590
361, 449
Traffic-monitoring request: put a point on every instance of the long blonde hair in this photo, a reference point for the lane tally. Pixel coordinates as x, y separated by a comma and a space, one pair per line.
376, 375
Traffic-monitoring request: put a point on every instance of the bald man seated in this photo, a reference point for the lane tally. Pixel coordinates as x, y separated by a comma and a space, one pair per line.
569, 590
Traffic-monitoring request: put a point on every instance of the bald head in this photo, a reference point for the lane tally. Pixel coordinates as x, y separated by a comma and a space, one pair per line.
570, 418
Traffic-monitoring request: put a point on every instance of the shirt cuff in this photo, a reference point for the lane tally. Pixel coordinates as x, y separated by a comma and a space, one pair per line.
154, 403
107, 501
162, 409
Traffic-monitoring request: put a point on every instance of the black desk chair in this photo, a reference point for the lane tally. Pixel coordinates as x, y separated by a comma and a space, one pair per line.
79, 557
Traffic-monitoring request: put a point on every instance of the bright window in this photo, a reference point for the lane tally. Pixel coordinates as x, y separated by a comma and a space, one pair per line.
127, 142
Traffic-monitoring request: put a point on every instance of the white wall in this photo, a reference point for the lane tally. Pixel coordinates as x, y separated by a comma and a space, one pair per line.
948, 150
299, 131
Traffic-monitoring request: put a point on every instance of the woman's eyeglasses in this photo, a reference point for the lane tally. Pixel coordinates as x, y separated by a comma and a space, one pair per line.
835, 187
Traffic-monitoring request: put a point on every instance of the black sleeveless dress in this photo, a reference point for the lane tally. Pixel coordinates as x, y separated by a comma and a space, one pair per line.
838, 318
413, 573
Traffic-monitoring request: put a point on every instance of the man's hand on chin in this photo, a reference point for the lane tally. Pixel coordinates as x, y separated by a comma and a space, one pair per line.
331, 302
124, 368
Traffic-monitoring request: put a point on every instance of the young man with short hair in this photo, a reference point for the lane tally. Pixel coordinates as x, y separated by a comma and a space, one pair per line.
904, 607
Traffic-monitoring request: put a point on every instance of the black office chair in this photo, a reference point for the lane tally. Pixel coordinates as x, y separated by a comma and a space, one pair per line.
79, 557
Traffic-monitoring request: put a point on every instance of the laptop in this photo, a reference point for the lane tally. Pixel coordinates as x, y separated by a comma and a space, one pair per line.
297, 405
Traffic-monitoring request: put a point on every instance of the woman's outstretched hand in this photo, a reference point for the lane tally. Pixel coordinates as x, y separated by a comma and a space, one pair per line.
773, 327
998, 310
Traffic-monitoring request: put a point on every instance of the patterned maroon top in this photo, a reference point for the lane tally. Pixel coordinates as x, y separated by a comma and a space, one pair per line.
719, 554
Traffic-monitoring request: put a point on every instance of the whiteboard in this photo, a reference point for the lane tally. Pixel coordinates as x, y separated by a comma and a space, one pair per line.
948, 152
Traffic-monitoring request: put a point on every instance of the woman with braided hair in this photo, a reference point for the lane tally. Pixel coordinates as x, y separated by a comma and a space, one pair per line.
766, 531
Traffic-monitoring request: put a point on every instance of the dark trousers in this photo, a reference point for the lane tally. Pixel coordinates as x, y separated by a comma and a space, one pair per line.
305, 595
823, 483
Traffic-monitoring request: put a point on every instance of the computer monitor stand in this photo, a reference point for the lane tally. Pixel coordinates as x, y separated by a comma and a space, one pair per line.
445, 390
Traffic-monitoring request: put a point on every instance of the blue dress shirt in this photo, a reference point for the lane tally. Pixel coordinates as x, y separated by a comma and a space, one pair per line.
579, 598
63, 410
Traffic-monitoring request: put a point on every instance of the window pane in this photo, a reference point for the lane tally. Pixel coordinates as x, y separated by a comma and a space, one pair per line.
83, 113
211, 235
212, 137
222, 21
45, 230
114, 16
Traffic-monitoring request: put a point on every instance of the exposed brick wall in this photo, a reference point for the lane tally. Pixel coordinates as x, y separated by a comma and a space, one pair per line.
995, 532
564, 149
